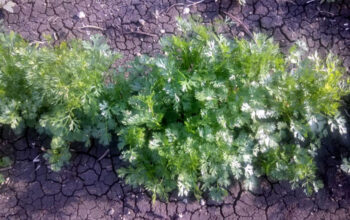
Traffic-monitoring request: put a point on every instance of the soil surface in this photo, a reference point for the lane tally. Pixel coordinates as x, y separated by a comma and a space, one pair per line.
89, 187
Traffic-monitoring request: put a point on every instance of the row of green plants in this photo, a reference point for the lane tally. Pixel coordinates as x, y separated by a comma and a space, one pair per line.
204, 113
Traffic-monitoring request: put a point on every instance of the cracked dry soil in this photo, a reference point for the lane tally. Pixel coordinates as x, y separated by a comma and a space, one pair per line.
89, 188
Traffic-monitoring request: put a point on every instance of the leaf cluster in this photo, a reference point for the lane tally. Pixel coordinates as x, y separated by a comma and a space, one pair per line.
210, 111
61, 91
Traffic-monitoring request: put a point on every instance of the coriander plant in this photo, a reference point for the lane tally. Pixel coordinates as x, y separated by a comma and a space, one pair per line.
212, 110
5, 162
60, 91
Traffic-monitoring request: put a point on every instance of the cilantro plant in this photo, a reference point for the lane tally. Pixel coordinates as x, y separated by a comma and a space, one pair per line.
212, 110
60, 91
5, 162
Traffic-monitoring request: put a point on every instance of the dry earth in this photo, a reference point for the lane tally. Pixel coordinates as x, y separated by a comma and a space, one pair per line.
89, 187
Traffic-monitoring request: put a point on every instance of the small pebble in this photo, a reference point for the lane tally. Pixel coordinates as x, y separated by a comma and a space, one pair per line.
111, 211
142, 22
156, 14
81, 15
241, 34
186, 11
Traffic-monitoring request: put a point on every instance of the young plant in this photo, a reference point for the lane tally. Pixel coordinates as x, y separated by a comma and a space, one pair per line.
213, 110
5, 162
60, 90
